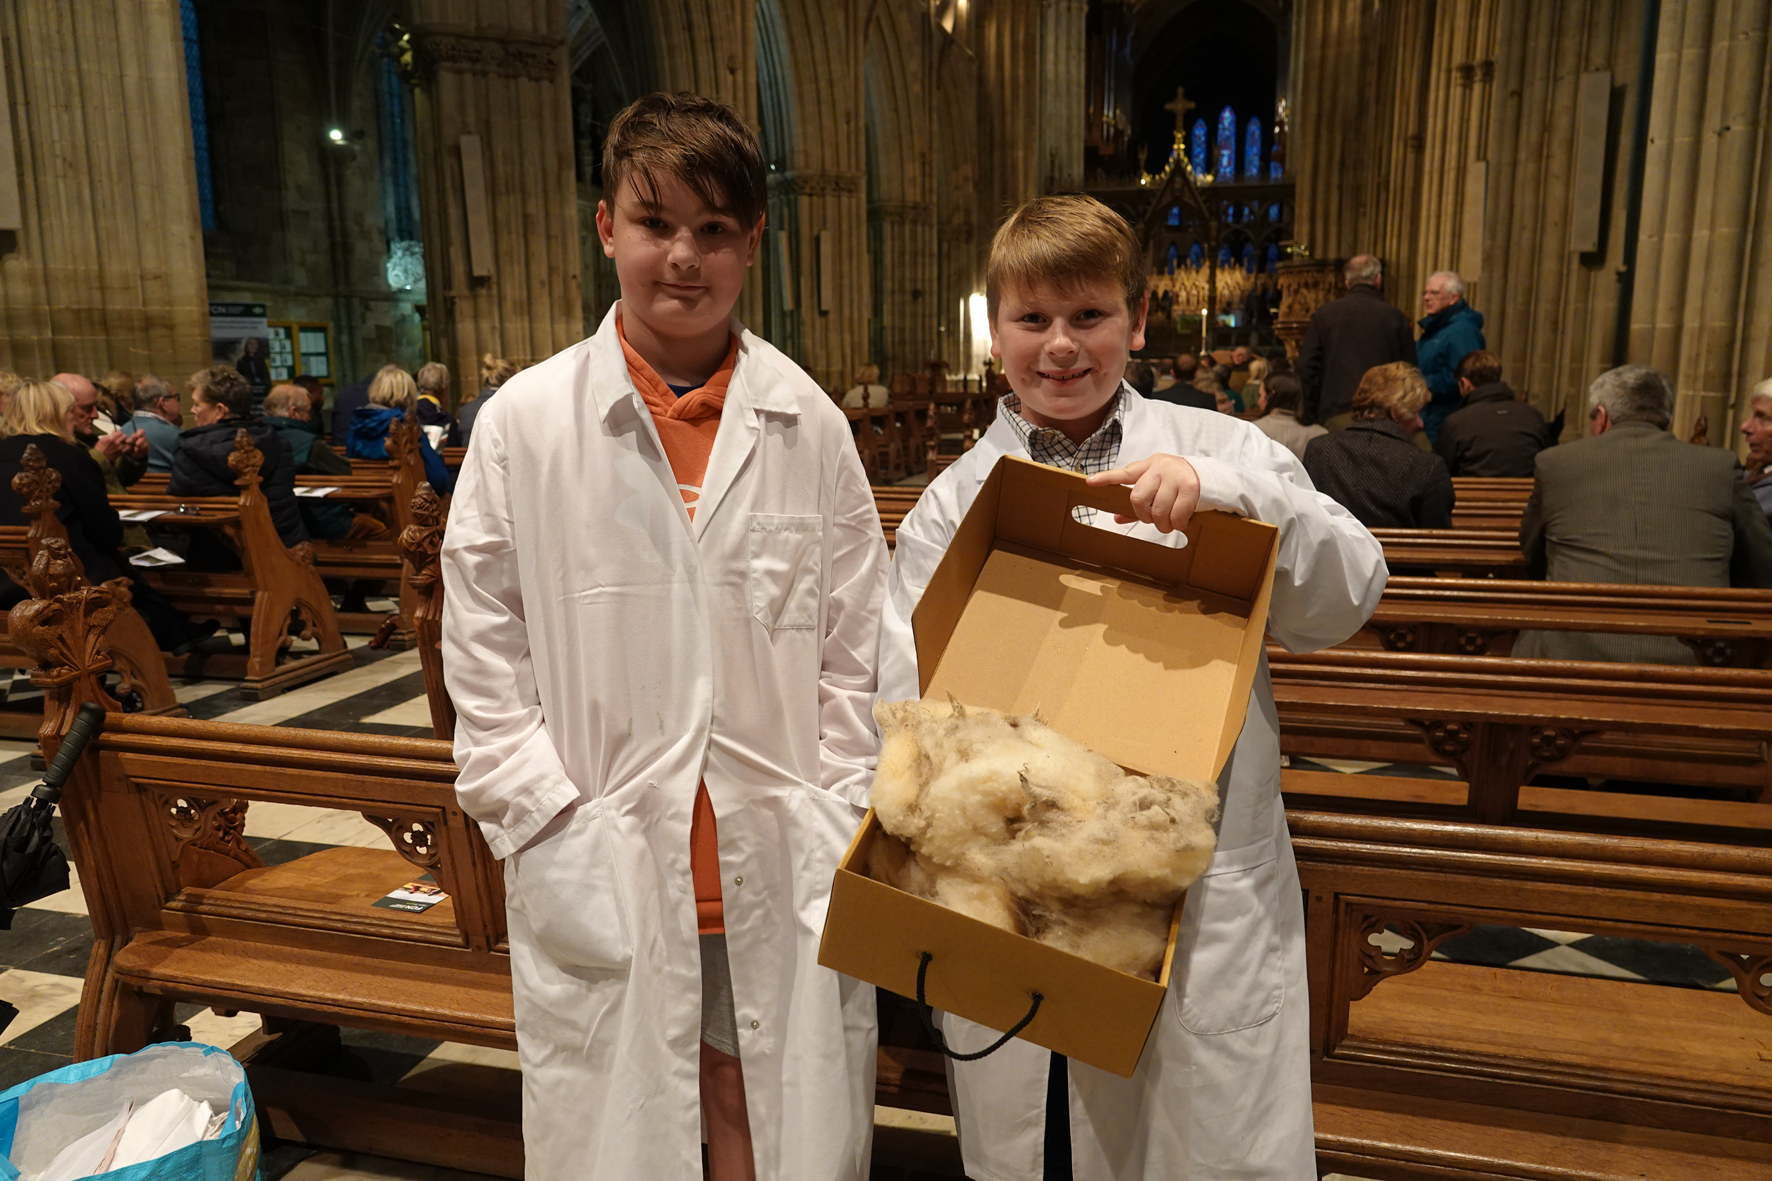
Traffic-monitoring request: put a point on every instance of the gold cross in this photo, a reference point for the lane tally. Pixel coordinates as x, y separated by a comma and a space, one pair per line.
1180, 104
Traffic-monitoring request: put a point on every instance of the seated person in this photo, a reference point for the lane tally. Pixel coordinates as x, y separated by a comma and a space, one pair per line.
1493, 433
1757, 430
1279, 400
287, 408
316, 402
1633, 504
40, 413
1372, 468
122, 458
867, 392
434, 418
160, 417
1181, 390
221, 400
494, 372
393, 393
1142, 378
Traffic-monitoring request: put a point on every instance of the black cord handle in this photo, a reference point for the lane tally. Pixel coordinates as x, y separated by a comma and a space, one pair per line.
86, 724
923, 1012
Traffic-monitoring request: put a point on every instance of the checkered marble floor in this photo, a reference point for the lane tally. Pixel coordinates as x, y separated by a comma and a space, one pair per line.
43, 957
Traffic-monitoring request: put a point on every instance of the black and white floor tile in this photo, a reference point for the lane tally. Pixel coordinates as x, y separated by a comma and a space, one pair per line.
43, 957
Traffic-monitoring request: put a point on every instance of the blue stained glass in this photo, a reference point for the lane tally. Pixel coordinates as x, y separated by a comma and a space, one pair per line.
1249, 258
1276, 170
1224, 258
1175, 215
187, 11
1196, 147
1227, 144
1273, 212
1252, 149
1273, 258
1174, 257
1196, 256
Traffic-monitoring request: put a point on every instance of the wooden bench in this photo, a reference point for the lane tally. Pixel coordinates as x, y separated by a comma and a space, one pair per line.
135, 655
275, 584
1500, 722
1424, 1068
1724, 627
1469, 553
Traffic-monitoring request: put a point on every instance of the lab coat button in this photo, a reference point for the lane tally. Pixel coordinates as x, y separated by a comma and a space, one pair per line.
739, 880
754, 1025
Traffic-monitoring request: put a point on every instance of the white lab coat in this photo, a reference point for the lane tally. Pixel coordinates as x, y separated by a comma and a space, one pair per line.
604, 653
1223, 1091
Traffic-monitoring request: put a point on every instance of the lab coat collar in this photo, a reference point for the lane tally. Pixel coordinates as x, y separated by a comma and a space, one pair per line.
613, 389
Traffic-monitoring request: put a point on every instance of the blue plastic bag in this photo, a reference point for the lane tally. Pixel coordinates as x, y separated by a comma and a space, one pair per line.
40, 1117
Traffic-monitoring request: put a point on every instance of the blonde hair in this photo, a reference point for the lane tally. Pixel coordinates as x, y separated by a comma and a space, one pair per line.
9, 383
1064, 242
1257, 370
38, 408
284, 397
495, 371
393, 386
867, 375
1390, 391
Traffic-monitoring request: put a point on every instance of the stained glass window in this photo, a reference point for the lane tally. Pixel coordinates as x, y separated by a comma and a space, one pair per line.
187, 10
1252, 149
1173, 258
1276, 170
1196, 256
1273, 257
1274, 211
1196, 147
1224, 258
1175, 215
1249, 258
1227, 144
399, 181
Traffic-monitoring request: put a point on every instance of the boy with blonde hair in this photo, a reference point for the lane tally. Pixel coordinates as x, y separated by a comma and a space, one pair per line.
663, 574
1223, 1089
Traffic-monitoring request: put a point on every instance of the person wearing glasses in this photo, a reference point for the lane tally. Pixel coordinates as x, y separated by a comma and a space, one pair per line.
159, 416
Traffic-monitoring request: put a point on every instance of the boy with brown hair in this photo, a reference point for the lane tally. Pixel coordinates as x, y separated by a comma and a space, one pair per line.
663, 574
1223, 1089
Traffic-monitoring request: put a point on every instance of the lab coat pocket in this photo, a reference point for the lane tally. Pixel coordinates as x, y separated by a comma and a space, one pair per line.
1228, 950
571, 892
786, 561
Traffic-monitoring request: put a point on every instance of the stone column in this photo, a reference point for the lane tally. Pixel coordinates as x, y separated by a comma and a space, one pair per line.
1063, 90
502, 262
106, 267
1704, 191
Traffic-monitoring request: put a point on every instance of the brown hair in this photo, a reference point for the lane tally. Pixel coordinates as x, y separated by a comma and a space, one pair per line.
1283, 392
495, 371
1064, 241
1389, 390
1480, 368
700, 141
223, 385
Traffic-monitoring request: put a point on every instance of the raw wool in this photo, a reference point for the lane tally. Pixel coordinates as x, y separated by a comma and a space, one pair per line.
1006, 820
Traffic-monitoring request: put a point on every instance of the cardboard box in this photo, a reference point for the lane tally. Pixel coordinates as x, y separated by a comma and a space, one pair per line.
1143, 652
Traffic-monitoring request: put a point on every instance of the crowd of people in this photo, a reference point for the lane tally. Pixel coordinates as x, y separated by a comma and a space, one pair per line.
104, 436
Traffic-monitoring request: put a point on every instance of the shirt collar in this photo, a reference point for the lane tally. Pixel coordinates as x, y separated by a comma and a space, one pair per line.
1049, 445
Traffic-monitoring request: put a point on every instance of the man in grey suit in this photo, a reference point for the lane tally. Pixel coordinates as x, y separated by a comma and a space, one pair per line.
1633, 504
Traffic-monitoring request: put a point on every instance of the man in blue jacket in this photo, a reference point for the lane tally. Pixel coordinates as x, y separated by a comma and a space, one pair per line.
1450, 330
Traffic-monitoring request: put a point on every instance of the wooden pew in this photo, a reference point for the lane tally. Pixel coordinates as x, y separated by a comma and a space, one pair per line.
1453, 552
1724, 627
1423, 1068
135, 655
1502, 721
275, 584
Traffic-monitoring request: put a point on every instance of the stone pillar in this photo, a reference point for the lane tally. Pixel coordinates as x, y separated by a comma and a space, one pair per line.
1694, 303
1064, 93
106, 268
502, 264
1008, 49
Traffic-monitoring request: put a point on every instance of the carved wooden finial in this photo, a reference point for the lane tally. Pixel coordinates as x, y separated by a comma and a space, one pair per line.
37, 482
402, 441
245, 460
422, 541
62, 628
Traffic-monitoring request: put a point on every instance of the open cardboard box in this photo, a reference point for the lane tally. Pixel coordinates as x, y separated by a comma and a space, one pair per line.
1143, 652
